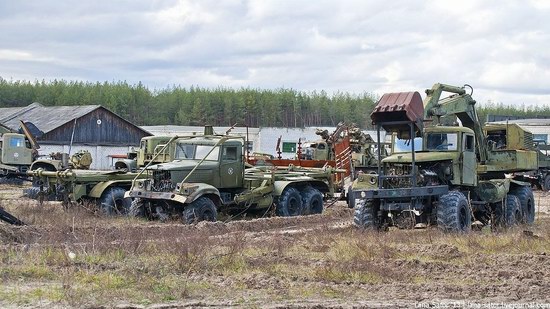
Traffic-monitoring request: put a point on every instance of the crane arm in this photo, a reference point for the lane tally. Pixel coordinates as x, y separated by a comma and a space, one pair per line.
461, 105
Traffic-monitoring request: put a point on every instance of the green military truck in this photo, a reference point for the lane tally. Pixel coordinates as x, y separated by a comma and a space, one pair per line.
209, 174
502, 135
149, 151
449, 175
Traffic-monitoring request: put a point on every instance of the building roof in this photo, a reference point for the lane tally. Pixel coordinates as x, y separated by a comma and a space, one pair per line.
527, 122
182, 130
4, 129
46, 118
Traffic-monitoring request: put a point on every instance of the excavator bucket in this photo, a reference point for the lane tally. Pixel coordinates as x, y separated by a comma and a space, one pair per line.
393, 110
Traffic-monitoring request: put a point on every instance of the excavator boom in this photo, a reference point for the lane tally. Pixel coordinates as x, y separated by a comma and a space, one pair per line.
461, 105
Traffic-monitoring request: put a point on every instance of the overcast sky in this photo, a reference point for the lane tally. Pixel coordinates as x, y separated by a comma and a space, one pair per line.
501, 48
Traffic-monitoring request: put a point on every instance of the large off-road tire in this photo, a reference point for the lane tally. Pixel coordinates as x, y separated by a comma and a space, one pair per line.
112, 202
312, 201
290, 203
137, 208
366, 215
509, 215
453, 213
202, 209
527, 202
31, 192
351, 198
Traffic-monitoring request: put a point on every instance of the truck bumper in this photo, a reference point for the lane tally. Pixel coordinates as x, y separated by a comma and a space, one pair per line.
148, 195
399, 193
400, 199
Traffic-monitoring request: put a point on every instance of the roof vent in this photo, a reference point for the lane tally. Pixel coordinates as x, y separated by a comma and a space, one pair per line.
208, 130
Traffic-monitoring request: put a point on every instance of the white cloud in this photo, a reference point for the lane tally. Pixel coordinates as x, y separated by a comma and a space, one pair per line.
499, 47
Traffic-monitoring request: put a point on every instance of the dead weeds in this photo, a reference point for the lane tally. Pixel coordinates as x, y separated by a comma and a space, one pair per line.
78, 258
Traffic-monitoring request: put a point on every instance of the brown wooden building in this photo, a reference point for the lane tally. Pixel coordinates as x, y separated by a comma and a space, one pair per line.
72, 128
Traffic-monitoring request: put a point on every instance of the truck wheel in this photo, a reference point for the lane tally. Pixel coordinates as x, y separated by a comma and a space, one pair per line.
312, 201
290, 203
112, 202
366, 215
527, 202
31, 192
351, 198
453, 213
202, 209
510, 215
137, 208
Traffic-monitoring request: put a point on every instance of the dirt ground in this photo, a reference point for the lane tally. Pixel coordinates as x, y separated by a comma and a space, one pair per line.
75, 258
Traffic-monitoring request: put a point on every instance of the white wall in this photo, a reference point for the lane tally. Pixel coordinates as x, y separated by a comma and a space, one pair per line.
268, 138
264, 140
100, 154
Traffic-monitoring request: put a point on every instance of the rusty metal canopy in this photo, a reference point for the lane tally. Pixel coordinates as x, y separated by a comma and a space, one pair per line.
399, 106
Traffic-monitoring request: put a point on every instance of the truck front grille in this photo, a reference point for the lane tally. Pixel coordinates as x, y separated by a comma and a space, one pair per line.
162, 181
398, 170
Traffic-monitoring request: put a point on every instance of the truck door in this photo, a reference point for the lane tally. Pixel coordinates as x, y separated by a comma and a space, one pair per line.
469, 164
231, 166
16, 150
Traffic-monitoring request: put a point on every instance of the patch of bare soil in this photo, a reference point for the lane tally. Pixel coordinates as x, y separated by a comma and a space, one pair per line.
319, 261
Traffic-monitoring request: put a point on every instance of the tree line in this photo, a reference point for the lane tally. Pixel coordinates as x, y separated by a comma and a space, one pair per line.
220, 106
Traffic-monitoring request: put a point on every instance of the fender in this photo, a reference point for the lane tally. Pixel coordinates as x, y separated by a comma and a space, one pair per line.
100, 187
279, 186
128, 164
47, 165
495, 190
196, 190
518, 183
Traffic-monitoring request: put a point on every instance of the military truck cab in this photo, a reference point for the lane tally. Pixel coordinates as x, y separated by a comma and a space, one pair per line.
457, 146
214, 162
318, 150
16, 151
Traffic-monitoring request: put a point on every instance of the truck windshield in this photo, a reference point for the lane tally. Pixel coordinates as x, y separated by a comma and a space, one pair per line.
185, 151
441, 141
202, 151
405, 145
196, 152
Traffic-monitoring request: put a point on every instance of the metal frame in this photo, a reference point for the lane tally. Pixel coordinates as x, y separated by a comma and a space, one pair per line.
381, 175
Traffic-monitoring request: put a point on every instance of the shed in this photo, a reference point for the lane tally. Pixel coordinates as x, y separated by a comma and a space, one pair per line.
72, 128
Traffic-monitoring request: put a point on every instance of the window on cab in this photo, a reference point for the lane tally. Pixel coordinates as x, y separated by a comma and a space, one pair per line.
405, 145
441, 141
202, 151
185, 151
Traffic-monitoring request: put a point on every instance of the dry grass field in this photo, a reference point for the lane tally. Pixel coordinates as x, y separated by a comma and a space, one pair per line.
76, 258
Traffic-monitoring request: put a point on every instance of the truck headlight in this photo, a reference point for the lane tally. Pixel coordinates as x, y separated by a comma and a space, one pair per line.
373, 179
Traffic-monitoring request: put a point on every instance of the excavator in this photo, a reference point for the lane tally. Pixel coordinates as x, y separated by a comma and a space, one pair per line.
443, 170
